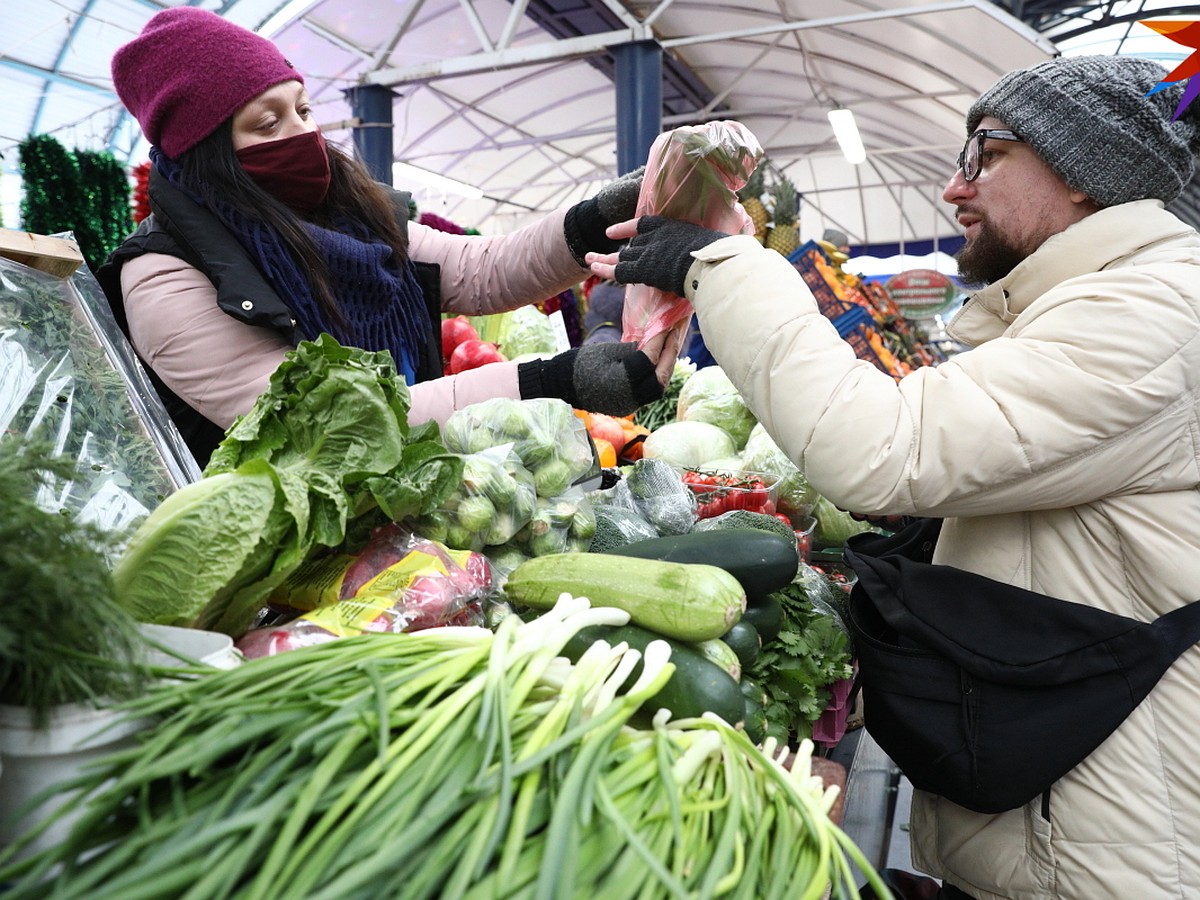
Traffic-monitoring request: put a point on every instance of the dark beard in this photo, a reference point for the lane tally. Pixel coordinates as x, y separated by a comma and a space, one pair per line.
986, 259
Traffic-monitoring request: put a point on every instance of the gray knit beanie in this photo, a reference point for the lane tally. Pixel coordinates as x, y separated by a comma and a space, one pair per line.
1089, 118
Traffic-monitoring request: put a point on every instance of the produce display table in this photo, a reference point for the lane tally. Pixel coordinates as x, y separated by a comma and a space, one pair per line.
877, 802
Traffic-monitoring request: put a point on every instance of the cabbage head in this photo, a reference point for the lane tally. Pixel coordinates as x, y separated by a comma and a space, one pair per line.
526, 330
688, 444
709, 396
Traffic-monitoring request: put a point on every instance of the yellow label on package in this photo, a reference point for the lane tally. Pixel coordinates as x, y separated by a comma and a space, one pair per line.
396, 577
348, 618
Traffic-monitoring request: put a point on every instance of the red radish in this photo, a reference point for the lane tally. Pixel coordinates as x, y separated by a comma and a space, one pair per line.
471, 354
455, 330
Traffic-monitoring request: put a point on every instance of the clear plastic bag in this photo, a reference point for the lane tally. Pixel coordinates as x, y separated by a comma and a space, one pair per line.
68, 377
546, 435
496, 499
693, 173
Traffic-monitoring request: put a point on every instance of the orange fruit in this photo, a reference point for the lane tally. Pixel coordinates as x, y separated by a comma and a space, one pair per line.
606, 452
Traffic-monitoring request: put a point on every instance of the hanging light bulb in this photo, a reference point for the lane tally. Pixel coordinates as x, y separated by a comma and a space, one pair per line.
846, 131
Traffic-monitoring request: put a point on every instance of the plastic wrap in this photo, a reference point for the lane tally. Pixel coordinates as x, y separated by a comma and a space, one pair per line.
655, 492
693, 173
545, 434
69, 377
399, 582
496, 498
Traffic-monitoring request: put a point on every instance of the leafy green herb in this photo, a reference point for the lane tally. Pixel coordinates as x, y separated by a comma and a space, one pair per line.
796, 670
63, 638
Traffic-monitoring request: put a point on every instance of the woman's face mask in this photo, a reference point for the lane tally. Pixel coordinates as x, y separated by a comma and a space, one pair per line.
293, 170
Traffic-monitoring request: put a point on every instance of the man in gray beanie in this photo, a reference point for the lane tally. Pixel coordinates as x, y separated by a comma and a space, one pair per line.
1062, 451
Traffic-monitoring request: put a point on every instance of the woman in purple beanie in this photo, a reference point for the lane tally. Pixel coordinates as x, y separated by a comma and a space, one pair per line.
262, 235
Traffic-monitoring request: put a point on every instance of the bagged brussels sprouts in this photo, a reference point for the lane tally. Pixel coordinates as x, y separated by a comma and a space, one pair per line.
709, 396
545, 434
497, 498
562, 524
795, 497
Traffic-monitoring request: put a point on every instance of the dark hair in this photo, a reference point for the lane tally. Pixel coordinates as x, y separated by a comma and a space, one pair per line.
213, 171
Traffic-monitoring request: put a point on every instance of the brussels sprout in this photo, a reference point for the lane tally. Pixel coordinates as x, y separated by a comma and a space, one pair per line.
552, 478
475, 513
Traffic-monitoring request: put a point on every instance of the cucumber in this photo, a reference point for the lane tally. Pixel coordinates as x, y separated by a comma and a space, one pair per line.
696, 686
719, 652
765, 613
689, 602
761, 561
756, 721
743, 640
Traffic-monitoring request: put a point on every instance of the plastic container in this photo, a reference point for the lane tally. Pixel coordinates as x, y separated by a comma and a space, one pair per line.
209, 647
723, 491
804, 528
76, 735
35, 758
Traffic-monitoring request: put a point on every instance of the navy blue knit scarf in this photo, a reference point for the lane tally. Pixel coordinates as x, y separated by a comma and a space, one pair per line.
378, 296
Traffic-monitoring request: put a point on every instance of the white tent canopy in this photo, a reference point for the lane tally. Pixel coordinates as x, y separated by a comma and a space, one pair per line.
516, 98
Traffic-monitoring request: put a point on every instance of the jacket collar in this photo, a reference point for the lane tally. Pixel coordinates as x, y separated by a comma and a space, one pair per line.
1090, 245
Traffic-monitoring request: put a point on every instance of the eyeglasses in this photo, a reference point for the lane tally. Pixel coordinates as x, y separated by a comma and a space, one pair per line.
970, 160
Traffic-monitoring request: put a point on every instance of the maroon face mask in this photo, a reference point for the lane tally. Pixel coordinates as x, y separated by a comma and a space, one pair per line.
293, 170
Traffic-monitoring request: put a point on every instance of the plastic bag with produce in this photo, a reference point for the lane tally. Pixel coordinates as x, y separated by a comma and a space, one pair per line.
562, 524
654, 489
709, 396
546, 435
693, 173
398, 582
794, 496
494, 501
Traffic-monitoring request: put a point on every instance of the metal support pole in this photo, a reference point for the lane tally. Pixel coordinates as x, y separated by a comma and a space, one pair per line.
639, 101
371, 107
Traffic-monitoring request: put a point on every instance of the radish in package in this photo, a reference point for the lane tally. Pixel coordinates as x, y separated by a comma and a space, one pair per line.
693, 174
398, 582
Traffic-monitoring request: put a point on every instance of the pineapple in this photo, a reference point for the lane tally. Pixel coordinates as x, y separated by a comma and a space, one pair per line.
784, 236
751, 199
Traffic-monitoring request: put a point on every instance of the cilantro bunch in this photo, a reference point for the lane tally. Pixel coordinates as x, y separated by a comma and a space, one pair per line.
811, 652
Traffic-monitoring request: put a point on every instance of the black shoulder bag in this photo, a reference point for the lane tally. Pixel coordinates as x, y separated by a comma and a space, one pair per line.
985, 693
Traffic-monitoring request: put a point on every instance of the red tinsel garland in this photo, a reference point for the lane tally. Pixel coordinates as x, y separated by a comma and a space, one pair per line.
141, 192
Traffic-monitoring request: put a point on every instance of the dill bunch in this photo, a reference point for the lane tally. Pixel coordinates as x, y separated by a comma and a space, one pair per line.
63, 638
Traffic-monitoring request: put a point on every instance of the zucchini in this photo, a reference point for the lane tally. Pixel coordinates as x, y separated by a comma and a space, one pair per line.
761, 561
765, 613
696, 686
719, 652
744, 642
686, 602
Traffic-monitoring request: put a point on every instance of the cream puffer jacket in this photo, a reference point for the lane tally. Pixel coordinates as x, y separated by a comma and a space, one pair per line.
1063, 450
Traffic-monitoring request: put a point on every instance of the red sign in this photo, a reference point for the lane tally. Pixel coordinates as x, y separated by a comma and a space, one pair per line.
921, 291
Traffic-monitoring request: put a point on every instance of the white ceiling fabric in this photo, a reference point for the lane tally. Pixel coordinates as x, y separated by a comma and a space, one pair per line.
489, 98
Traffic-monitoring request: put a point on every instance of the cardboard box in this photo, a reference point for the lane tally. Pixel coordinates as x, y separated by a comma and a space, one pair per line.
54, 256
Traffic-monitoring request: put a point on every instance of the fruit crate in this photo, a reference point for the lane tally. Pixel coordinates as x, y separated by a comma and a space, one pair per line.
809, 260
830, 726
854, 327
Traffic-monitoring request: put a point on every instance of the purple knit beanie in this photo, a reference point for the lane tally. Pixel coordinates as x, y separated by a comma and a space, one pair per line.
190, 70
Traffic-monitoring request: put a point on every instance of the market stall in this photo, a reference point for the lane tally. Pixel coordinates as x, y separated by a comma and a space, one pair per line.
455, 634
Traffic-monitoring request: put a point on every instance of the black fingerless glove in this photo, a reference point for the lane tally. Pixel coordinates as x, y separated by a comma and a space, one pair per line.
612, 378
587, 221
660, 254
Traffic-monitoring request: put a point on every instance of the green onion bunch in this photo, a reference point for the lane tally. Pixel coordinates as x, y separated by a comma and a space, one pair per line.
452, 762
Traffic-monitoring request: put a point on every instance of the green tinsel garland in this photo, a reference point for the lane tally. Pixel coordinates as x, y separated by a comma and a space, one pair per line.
85, 192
